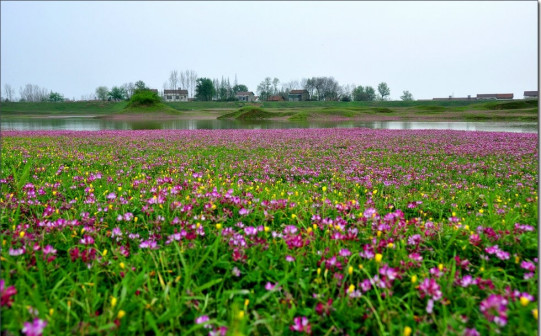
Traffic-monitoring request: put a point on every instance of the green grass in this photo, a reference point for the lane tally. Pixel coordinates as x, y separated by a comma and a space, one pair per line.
520, 110
322, 197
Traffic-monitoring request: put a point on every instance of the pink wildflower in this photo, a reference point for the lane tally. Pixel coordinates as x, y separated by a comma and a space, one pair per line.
34, 328
495, 309
6, 294
301, 324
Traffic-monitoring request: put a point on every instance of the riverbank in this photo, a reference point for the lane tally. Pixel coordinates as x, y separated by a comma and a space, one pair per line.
516, 110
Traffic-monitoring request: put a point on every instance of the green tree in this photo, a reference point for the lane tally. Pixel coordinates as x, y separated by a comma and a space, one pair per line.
118, 93
140, 85
204, 89
102, 92
240, 88
383, 90
361, 93
55, 97
406, 96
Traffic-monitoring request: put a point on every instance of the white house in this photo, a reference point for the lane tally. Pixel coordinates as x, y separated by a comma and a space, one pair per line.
175, 95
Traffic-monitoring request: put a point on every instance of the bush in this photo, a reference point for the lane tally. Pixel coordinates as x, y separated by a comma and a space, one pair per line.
144, 98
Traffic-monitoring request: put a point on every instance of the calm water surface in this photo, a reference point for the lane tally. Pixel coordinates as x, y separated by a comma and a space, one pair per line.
77, 123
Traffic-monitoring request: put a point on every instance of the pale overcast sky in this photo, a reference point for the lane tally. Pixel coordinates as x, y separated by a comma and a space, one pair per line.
432, 49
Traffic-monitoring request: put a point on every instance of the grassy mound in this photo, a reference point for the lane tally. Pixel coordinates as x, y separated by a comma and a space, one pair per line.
249, 113
147, 101
430, 108
511, 105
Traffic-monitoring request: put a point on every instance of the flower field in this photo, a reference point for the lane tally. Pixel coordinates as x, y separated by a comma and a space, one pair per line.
280, 232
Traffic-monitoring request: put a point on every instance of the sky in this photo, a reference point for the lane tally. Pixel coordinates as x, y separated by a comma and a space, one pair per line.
432, 49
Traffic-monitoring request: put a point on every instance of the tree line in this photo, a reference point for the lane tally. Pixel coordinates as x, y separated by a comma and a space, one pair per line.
205, 89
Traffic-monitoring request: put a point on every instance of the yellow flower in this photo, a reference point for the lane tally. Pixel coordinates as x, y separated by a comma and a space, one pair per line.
351, 288
21, 234
534, 312
524, 301
51, 312
122, 265
113, 301
324, 188
318, 271
440, 266
219, 226
407, 331
413, 279
378, 257
267, 229
120, 314
350, 270
104, 252
293, 216
246, 303
241, 314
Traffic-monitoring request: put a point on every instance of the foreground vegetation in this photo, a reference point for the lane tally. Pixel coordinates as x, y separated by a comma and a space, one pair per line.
336, 231
518, 110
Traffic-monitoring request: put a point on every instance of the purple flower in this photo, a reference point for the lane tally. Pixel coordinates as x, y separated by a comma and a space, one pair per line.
290, 258
527, 265
201, 319
365, 285
344, 253
16, 252
111, 196
290, 229
415, 256
430, 287
250, 231
151, 244
236, 271
34, 328
243, 212
471, 332
301, 324
6, 294
430, 306
495, 309
87, 240
49, 250
466, 281
369, 213
270, 286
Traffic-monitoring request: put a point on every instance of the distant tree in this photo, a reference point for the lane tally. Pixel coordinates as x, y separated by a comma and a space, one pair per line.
33, 93
275, 83
140, 85
102, 92
191, 81
240, 88
9, 92
383, 90
204, 89
117, 93
173, 80
55, 97
406, 96
129, 88
265, 89
361, 93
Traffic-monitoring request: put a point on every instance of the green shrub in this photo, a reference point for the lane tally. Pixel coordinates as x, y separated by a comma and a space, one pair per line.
144, 98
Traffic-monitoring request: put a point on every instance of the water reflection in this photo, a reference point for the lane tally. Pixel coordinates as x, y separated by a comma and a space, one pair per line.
93, 124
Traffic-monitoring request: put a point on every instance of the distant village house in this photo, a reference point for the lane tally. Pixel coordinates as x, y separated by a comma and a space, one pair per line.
531, 94
246, 96
298, 95
495, 96
175, 95
275, 98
